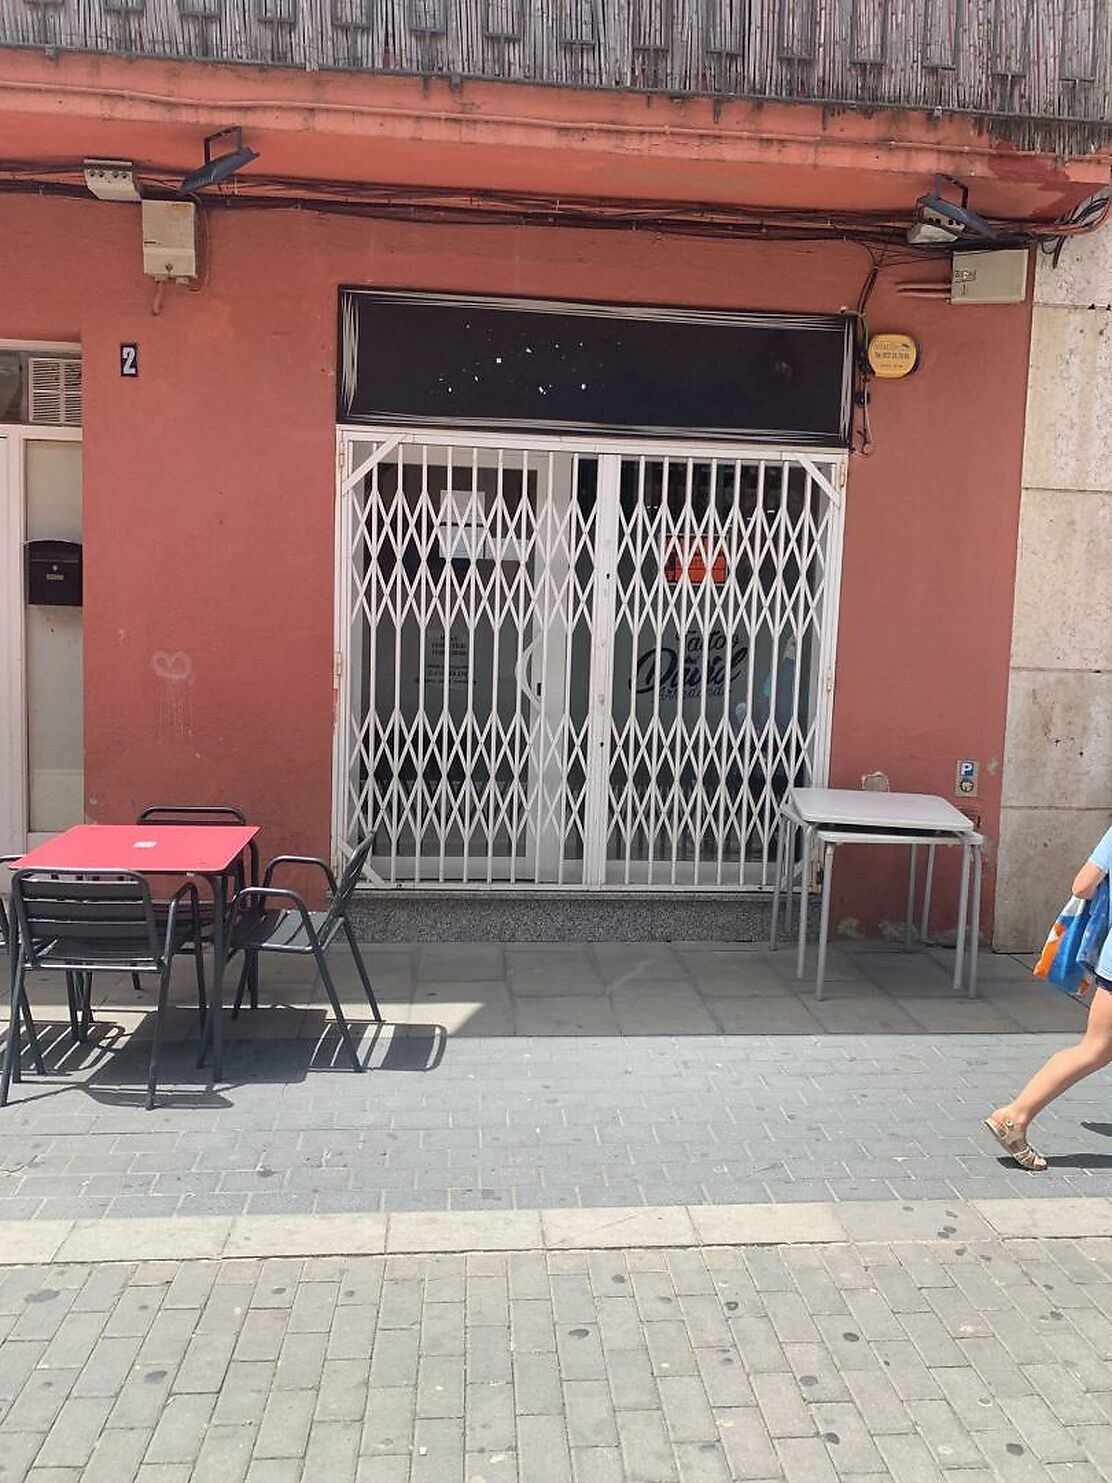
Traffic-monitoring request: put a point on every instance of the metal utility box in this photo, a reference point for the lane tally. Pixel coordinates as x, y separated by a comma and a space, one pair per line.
54, 577
170, 239
989, 277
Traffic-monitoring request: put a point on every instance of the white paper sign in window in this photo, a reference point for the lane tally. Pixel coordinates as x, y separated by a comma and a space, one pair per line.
469, 529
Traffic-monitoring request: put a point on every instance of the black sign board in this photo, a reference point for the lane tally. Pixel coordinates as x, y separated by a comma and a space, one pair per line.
452, 360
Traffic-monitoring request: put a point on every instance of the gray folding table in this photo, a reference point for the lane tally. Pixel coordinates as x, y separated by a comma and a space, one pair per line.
838, 816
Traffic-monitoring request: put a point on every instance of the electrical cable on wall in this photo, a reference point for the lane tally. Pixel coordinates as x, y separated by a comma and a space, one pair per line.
460, 207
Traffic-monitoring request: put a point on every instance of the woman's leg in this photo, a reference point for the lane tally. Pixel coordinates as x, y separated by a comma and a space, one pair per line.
1066, 1067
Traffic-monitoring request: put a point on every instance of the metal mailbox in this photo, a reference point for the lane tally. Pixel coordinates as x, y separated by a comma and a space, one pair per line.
54, 577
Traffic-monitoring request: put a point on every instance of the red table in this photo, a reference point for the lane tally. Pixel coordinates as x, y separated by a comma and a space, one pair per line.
209, 851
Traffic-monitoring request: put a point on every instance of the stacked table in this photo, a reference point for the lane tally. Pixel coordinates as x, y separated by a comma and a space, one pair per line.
832, 817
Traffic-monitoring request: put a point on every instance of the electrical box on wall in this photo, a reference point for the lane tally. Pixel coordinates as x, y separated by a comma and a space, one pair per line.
989, 277
170, 239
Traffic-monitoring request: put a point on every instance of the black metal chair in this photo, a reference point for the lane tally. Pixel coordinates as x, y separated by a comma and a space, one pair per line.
257, 928
77, 924
193, 813
217, 813
8, 945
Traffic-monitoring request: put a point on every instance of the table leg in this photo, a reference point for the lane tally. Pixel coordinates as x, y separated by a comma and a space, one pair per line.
789, 880
212, 1034
963, 918
975, 931
824, 919
924, 931
804, 893
909, 925
777, 885
219, 949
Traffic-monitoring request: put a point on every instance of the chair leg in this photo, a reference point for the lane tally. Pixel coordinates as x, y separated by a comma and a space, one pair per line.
156, 1045
241, 986
341, 1022
202, 996
253, 979
71, 999
86, 982
11, 1049
362, 970
32, 1034
136, 983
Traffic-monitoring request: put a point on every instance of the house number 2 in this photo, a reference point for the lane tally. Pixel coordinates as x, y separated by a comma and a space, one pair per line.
129, 360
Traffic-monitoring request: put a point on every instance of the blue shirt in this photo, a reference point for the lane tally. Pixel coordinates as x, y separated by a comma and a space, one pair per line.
1102, 859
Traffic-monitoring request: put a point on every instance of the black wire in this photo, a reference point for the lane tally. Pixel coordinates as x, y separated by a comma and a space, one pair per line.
485, 211
877, 230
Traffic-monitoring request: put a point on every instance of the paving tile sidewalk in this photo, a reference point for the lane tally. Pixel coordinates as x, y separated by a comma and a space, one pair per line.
711, 1090
935, 1361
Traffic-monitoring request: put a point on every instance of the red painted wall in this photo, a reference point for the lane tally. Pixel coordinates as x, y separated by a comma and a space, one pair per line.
209, 486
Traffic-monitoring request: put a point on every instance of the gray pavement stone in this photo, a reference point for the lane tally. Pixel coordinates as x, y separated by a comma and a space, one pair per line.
388, 1420
805, 1460
225, 1455
944, 1433
542, 1448
274, 1470
536, 1385
645, 1447
590, 1414
748, 1447
783, 1405
75, 1433
343, 1389
488, 1354
117, 1456
38, 1404
533, 1329
204, 1366
332, 1451
597, 1465
490, 1424
180, 1429
907, 1459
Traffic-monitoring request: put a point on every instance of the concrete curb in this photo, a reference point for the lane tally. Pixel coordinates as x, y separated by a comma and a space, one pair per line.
32, 1243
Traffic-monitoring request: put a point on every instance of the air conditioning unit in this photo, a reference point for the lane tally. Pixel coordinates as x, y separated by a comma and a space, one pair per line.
54, 390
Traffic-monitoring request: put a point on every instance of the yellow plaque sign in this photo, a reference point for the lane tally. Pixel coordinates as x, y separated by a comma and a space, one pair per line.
892, 357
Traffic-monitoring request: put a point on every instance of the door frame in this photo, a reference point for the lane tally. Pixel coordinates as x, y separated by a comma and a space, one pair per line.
388, 438
13, 669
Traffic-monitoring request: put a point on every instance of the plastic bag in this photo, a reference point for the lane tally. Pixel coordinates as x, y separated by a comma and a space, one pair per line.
1068, 959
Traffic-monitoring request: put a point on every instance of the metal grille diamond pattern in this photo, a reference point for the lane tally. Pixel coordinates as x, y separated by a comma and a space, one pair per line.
576, 665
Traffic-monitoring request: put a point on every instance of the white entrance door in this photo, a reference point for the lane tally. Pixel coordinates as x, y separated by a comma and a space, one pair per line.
13, 774
41, 661
577, 664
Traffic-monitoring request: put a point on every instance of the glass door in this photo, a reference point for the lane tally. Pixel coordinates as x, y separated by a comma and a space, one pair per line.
722, 614
472, 579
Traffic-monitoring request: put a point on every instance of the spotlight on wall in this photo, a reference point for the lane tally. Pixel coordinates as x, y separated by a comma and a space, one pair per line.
218, 167
940, 218
112, 180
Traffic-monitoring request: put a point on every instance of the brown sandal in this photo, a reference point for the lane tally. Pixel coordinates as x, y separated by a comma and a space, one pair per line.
1010, 1137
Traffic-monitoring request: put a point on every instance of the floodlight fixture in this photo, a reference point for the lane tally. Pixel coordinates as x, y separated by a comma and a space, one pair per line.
218, 167
940, 218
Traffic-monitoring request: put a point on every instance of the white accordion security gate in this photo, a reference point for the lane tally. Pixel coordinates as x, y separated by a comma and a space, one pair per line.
579, 662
